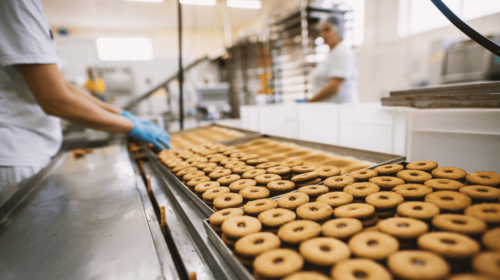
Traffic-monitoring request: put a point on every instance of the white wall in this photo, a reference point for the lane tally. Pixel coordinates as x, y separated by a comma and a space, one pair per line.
387, 62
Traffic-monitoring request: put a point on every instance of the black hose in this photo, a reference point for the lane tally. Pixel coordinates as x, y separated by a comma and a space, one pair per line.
466, 29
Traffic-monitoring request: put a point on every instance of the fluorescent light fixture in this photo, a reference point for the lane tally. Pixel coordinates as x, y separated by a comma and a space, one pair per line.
199, 2
152, 1
244, 4
124, 49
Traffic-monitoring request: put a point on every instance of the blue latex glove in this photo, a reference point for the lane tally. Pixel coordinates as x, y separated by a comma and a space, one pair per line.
301, 100
146, 130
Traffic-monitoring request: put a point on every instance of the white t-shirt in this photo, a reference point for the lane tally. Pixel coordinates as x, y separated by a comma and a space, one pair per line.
341, 63
28, 136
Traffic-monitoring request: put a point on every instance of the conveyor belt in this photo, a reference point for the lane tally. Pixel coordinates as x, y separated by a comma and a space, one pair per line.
81, 219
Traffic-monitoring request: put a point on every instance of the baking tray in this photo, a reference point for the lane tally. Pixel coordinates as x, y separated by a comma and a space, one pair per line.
226, 253
248, 134
379, 158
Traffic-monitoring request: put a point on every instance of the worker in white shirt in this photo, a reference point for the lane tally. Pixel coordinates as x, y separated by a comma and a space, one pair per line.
336, 78
34, 95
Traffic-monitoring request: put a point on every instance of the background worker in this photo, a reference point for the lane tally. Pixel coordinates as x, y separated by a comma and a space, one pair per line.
96, 85
336, 78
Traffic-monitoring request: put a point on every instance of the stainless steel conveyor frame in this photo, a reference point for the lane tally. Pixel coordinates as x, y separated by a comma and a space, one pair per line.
83, 218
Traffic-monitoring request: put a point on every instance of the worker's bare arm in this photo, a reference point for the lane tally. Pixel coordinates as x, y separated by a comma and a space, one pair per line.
327, 91
51, 91
106, 106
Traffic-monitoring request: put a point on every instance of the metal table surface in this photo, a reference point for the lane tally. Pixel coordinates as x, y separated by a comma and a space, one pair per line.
82, 219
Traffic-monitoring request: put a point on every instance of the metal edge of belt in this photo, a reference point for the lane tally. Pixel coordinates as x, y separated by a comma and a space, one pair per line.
167, 264
240, 269
31, 185
164, 170
182, 240
210, 254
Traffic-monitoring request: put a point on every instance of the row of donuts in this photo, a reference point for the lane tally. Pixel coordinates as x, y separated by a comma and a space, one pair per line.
429, 241
247, 177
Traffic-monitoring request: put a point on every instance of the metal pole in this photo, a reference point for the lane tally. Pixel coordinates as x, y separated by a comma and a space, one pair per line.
181, 70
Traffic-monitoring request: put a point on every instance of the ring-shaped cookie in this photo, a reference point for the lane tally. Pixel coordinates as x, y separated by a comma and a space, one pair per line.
418, 210
449, 244
412, 191
355, 269
414, 176
361, 190
328, 171
335, 199
205, 186
449, 200
384, 200
487, 263
252, 193
303, 169
277, 263
354, 210
441, 184
338, 182
265, 179
363, 175
258, 206
266, 165
418, 265
256, 243
341, 228
237, 227
253, 173
488, 212
483, 193
459, 223
237, 186
228, 200
242, 169
214, 175
373, 245
219, 217
314, 190
424, 165
403, 228
448, 172
314, 211
389, 169
292, 200
227, 180
486, 178
276, 217
324, 251
212, 193
297, 231
490, 239
281, 186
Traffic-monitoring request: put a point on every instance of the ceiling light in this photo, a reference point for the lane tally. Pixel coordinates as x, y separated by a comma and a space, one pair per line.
152, 1
244, 4
199, 2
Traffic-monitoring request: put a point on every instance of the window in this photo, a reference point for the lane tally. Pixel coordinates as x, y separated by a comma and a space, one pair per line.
123, 49
416, 16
